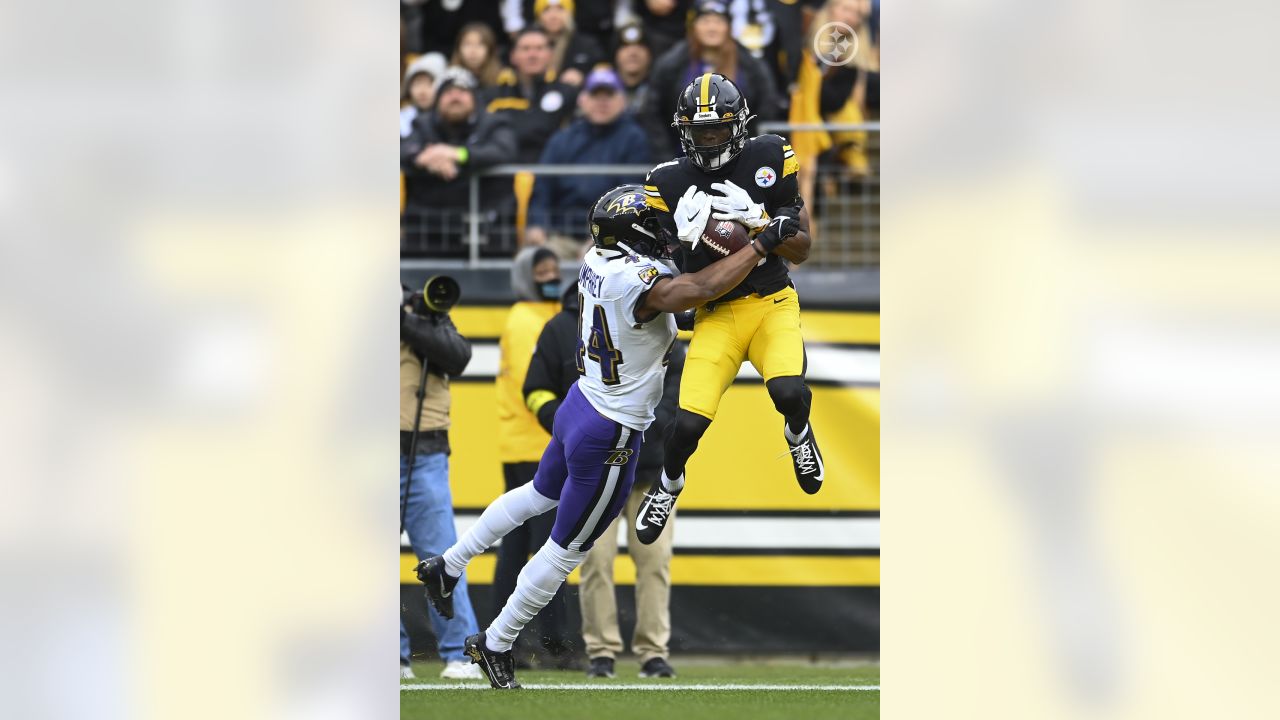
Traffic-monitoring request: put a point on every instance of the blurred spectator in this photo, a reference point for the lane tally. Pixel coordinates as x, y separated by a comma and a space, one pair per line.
590, 17
530, 97
440, 21
752, 23
572, 53
667, 20
783, 56
632, 59
710, 48
444, 147
603, 135
826, 93
477, 53
664, 21
535, 280
417, 92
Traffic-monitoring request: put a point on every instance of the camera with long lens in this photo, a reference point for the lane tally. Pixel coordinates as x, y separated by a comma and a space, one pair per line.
438, 296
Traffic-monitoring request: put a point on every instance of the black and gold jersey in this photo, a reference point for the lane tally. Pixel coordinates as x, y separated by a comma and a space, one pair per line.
766, 168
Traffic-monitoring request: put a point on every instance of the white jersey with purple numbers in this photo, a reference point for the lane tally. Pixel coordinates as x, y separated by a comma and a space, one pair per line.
622, 362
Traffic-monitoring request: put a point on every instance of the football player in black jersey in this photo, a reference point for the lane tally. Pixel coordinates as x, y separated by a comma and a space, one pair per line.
729, 176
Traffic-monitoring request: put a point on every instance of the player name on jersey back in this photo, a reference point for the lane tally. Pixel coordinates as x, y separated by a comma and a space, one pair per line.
621, 362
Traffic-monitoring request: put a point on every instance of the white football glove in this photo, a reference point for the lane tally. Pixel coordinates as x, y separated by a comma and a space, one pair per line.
691, 216
734, 203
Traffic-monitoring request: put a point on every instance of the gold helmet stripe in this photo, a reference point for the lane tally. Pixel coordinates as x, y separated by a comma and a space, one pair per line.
704, 90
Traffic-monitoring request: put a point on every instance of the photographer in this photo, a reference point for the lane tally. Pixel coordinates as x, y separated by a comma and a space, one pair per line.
431, 350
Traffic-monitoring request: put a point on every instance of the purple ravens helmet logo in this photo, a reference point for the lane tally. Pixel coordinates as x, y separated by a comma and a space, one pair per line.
631, 203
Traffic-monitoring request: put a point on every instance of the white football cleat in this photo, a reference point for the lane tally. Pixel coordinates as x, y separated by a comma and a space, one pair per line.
461, 670
406, 672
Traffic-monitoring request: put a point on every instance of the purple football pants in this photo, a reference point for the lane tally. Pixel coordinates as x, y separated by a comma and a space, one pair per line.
590, 465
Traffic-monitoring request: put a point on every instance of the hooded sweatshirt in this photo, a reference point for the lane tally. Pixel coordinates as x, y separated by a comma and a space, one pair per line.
520, 437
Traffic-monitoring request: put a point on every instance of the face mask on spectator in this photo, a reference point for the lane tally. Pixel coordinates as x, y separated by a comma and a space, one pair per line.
550, 290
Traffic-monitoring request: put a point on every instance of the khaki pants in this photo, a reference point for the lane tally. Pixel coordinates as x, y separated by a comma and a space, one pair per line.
653, 589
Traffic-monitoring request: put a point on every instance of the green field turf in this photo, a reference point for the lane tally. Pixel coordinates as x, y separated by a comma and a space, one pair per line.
739, 704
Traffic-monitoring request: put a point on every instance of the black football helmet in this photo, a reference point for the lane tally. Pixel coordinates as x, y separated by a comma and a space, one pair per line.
711, 117
621, 217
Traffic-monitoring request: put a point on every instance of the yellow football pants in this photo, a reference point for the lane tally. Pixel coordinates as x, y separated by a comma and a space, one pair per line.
764, 330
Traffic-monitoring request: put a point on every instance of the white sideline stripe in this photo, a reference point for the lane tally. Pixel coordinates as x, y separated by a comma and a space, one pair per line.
751, 532
651, 686
835, 364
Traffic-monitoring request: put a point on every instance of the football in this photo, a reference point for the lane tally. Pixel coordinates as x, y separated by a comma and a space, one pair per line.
722, 238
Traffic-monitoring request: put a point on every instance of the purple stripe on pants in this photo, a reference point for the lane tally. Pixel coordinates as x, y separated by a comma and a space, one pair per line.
590, 465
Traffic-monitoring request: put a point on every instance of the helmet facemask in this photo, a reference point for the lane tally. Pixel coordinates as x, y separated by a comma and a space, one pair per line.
713, 143
650, 239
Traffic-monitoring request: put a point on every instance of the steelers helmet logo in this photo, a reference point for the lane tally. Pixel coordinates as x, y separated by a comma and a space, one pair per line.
766, 176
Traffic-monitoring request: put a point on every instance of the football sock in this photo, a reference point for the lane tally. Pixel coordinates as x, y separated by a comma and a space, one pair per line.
795, 437
541, 577
672, 486
501, 517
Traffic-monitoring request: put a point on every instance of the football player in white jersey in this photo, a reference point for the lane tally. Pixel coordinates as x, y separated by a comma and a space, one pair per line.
586, 473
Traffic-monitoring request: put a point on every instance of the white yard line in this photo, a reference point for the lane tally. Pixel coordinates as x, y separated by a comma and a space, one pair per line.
647, 686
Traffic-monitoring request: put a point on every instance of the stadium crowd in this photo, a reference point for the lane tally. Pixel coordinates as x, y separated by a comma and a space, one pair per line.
559, 82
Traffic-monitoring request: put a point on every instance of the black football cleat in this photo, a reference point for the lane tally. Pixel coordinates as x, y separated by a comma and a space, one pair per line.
601, 667
657, 667
499, 667
654, 512
807, 461
439, 584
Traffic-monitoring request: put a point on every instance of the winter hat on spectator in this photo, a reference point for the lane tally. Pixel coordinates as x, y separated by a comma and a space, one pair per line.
433, 64
630, 34
711, 7
540, 5
454, 77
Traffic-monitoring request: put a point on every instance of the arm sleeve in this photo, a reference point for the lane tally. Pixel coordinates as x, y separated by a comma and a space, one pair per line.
436, 341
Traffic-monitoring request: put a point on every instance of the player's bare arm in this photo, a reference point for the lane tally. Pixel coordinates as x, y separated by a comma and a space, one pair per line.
693, 289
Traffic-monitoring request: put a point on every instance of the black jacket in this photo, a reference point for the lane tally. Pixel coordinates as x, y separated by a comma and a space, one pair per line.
489, 140
582, 54
554, 367
434, 336
674, 70
535, 113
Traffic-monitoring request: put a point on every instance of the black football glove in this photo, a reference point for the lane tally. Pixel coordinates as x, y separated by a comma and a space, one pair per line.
779, 228
684, 320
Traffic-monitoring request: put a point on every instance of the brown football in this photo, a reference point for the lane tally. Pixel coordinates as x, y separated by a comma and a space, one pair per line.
722, 238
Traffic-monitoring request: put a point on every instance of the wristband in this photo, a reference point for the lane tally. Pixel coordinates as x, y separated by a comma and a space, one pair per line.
536, 399
463, 155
